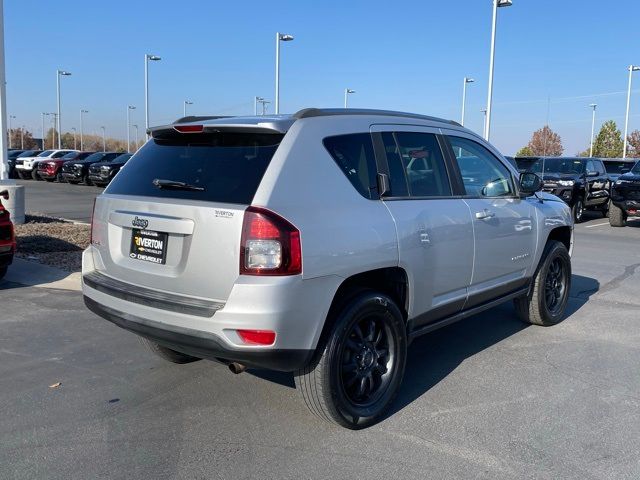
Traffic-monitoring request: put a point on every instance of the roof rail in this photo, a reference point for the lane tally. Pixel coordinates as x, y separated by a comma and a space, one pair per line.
195, 118
326, 112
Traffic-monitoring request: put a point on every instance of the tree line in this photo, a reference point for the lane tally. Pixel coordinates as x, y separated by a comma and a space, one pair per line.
23, 139
607, 144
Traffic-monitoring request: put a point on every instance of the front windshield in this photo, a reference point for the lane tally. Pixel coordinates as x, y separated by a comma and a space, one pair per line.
28, 153
636, 169
46, 153
558, 165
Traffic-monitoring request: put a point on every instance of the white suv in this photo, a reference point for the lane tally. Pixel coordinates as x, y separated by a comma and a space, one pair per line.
321, 243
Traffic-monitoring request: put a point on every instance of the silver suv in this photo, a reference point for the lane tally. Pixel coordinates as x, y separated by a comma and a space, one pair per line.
321, 243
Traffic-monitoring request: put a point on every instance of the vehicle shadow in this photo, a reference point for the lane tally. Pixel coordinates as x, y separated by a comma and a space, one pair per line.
434, 356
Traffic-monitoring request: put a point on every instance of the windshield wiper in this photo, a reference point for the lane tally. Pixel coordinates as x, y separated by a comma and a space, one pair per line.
174, 185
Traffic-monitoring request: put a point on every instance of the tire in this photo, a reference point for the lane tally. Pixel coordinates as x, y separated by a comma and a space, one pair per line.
546, 302
35, 176
166, 353
60, 178
605, 210
578, 211
3, 272
356, 374
617, 217
86, 181
21, 175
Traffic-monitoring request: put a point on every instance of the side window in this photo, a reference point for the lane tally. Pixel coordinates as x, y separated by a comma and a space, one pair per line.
591, 167
601, 169
354, 155
416, 164
483, 174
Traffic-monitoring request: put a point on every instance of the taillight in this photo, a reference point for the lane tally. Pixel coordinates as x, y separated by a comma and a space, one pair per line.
257, 337
270, 245
93, 213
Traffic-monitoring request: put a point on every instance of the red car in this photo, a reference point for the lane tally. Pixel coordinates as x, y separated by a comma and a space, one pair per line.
7, 237
50, 170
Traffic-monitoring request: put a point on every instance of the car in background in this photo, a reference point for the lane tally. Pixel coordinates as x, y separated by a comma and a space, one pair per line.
76, 172
51, 170
625, 197
582, 182
7, 237
617, 166
101, 173
11, 160
20, 159
29, 167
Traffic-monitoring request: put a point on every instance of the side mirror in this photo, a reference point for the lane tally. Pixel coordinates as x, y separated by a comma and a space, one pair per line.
4, 194
530, 183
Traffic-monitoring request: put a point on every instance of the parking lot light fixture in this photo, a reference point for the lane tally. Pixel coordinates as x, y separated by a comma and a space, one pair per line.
82, 112
104, 139
22, 129
264, 106
593, 124
280, 37
154, 58
464, 95
256, 100
496, 4
185, 103
75, 143
59, 73
631, 68
129, 108
347, 92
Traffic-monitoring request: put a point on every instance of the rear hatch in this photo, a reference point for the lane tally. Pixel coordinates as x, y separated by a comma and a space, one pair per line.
171, 220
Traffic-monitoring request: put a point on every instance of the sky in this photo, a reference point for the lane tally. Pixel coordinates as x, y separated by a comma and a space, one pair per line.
553, 58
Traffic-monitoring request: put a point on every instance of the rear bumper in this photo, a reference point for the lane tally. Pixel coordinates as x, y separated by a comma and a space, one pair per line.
6, 259
201, 344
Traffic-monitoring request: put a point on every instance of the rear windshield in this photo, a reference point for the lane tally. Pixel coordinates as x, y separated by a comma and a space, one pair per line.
617, 167
228, 166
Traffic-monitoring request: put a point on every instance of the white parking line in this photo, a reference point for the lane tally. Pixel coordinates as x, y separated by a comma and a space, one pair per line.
596, 225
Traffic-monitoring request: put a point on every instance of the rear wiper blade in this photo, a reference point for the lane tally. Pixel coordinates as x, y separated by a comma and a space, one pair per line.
173, 184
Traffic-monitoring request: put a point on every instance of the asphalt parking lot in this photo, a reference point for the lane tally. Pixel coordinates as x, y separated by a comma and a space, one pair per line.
488, 397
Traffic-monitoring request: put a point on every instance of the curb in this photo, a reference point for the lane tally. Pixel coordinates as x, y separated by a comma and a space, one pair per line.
32, 274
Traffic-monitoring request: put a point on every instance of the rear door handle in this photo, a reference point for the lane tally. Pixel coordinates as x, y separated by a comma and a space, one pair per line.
484, 214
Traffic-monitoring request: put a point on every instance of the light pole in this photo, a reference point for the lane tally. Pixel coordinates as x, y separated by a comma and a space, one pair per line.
484, 118
60, 73
496, 4
136, 127
255, 105
129, 108
347, 91
82, 112
22, 137
593, 124
464, 96
153, 58
631, 68
184, 105
75, 143
280, 37
104, 139
10, 118
264, 105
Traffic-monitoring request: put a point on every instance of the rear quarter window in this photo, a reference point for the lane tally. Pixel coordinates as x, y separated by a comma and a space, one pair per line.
353, 153
227, 165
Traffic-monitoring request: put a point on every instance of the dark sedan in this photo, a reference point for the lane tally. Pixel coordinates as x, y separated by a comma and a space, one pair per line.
76, 172
101, 173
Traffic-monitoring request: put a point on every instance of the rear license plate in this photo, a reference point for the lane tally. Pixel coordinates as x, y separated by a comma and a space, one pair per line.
149, 246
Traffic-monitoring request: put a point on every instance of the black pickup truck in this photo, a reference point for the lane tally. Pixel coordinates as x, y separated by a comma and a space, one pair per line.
581, 182
625, 197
